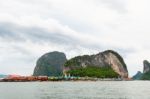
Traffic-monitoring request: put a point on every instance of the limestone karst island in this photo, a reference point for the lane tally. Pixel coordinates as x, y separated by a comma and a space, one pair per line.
54, 66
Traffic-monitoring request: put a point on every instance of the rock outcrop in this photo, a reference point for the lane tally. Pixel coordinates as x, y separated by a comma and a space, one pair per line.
107, 58
146, 66
137, 76
50, 64
146, 71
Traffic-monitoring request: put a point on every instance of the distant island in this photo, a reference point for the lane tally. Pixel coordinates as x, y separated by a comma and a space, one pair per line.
146, 72
107, 65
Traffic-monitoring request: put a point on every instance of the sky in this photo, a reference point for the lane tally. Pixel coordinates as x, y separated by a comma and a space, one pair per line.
31, 28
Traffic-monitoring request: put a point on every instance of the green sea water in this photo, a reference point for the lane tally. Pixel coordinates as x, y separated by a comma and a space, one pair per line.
76, 90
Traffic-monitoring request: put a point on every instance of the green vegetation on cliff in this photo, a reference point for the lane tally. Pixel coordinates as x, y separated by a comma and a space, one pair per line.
146, 76
75, 61
90, 71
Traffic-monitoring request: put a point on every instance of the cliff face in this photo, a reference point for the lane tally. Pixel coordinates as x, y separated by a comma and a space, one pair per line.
146, 71
146, 66
50, 64
107, 58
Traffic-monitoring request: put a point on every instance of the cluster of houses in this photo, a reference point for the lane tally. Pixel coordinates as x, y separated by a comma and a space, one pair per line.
24, 78
65, 77
17, 78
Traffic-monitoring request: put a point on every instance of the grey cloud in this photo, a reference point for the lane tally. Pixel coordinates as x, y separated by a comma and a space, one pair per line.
38, 35
15, 33
9, 31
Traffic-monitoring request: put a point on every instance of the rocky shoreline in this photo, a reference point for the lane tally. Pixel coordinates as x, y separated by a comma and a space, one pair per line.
46, 78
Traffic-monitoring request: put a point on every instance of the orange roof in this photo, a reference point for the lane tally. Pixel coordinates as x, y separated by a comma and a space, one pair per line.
13, 75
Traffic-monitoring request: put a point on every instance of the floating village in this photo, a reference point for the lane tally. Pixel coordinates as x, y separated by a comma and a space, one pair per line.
18, 78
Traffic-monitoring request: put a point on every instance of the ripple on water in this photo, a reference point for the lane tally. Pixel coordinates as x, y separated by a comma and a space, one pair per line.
76, 90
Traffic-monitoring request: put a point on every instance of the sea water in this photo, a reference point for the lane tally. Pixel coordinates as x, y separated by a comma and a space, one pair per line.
76, 90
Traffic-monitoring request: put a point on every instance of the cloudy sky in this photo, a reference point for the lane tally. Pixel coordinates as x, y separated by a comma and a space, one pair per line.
30, 28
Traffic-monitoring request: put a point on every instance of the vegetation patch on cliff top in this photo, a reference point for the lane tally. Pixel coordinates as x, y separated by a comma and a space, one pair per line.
91, 71
146, 76
75, 61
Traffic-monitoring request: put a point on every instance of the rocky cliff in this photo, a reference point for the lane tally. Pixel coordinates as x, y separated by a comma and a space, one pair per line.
137, 76
50, 64
146, 71
146, 66
107, 58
